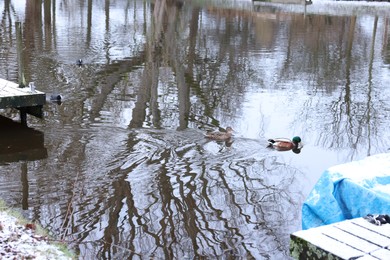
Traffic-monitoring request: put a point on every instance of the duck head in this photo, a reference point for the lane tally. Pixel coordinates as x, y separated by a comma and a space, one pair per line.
229, 130
296, 140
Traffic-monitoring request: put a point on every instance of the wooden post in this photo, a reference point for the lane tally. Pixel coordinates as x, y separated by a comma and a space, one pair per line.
19, 50
23, 116
24, 180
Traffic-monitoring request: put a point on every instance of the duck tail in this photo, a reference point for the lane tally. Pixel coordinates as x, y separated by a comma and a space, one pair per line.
271, 141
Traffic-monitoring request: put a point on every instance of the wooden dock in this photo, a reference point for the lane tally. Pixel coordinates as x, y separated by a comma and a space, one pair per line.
26, 100
350, 239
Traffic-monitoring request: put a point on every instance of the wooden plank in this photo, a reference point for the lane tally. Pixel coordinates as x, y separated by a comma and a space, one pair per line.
383, 230
366, 257
382, 254
365, 233
350, 239
28, 101
22, 101
313, 244
11, 96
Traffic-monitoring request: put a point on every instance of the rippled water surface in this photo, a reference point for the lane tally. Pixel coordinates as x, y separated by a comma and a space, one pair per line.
121, 168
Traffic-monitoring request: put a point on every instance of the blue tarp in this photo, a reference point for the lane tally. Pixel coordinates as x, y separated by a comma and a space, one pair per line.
349, 191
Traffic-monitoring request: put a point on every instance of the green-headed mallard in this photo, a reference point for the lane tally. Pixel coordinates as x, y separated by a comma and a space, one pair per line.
220, 136
284, 144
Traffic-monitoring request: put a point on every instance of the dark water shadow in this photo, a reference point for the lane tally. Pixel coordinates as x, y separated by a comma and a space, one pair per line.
20, 143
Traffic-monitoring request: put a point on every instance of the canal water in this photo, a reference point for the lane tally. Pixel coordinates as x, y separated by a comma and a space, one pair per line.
120, 168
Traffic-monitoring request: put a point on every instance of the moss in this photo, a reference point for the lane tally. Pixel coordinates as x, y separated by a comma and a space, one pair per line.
302, 249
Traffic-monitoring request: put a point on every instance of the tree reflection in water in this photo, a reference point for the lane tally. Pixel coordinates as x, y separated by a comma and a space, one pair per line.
176, 199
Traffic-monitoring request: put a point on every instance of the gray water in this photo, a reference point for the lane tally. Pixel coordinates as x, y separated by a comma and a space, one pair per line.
121, 169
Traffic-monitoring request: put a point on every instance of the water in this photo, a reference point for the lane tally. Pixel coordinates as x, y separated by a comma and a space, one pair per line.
120, 168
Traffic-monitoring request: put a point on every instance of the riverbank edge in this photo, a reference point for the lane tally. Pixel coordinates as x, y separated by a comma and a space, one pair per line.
16, 229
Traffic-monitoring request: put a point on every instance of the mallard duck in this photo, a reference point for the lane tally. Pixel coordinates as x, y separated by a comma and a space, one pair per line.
220, 136
55, 97
284, 144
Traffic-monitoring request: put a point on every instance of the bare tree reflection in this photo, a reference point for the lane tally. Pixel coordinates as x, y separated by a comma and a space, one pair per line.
351, 108
352, 115
7, 41
212, 209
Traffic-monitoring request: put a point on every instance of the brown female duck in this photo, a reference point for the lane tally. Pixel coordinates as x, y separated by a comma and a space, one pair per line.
220, 136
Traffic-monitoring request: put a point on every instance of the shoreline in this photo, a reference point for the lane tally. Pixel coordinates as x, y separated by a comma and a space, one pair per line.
21, 239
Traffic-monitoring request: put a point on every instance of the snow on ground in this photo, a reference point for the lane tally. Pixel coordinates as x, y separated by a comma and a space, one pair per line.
19, 241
